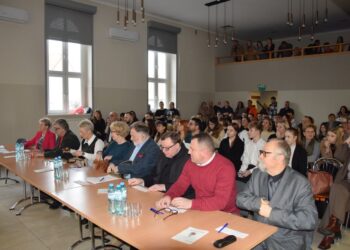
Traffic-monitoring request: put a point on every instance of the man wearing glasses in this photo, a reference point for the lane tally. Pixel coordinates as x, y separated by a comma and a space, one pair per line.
169, 166
211, 175
281, 197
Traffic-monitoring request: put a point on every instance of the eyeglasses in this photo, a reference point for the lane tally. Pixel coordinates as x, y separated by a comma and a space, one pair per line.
167, 210
264, 153
166, 148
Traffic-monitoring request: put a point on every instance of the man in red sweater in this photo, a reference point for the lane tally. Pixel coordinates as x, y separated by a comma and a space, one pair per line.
211, 175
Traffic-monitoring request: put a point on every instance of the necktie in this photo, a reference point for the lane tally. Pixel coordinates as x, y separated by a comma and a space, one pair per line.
272, 188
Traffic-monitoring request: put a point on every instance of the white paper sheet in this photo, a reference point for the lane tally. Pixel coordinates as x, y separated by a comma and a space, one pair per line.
190, 235
102, 191
140, 188
230, 231
101, 179
10, 156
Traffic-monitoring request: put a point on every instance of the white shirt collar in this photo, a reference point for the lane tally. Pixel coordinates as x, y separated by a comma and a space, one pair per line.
90, 140
208, 162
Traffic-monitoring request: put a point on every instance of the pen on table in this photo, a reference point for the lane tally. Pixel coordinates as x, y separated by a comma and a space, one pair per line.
223, 227
155, 211
102, 179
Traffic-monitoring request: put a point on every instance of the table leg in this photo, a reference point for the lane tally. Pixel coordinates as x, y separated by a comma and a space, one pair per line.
23, 199
34, 201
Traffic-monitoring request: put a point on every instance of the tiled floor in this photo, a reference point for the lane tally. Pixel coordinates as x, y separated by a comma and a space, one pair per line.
42, 228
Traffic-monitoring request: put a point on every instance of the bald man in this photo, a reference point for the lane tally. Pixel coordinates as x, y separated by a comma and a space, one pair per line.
282, 197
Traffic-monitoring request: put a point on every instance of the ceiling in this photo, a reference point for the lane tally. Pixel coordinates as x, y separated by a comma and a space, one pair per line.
252, 19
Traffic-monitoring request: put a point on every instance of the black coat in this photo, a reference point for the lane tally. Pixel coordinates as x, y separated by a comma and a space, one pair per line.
299, 160
233, 153
69, 141
168, 171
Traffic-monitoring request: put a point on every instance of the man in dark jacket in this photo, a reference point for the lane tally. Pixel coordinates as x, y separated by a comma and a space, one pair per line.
281, 197
169, 166
143, 158
66, 140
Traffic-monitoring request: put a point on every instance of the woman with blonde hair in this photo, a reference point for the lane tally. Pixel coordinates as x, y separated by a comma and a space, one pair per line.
119, 148
333, 145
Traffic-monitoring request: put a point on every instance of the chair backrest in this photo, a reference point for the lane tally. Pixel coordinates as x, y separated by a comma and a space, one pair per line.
330, 165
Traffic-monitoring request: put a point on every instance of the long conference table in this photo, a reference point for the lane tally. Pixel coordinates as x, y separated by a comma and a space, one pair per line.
145, 231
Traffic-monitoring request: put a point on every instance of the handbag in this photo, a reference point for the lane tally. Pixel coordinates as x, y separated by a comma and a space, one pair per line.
321, 181
101, 164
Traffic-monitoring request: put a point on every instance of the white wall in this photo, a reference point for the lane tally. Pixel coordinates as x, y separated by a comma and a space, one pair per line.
120, 70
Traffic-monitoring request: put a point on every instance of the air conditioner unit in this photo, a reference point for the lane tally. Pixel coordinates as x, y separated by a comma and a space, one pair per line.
125, 35
13, 14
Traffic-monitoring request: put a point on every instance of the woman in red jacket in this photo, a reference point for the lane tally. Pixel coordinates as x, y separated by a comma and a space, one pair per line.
44, 139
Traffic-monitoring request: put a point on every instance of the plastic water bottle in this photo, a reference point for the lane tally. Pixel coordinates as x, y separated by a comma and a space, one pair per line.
110, 195
18, 153
56, 168
21, 150
124, 195
60, 167
118, 201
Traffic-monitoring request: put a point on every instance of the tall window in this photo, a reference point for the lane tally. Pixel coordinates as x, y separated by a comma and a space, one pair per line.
161, 78
69, 36
162, 56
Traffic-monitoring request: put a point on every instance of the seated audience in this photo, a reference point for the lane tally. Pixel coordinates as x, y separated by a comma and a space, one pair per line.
251, 109
311, 145
169, 167
194, 128
211, 175
250, 52
99, 124
65, 141
266, 129
337, 208
259, 49
172, 112
151, 124
217, 108
343, 113
237, 51
283, 111
240, 109
161, 128
269, 47
281, 197
332, 122
250, 158
90, 145
119, 149
306, 121
281, 127
44, 139
333, 145
226, 110
322, 132
298, 155
160, 113
216, 131
242, 132
232, 146
143, 158
182, 130
129, 118
112, 117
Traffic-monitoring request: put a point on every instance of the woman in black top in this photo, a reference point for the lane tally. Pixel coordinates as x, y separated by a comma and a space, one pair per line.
232, 147
99, 124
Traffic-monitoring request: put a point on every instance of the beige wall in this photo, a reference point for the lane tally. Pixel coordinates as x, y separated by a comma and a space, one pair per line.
120, 70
